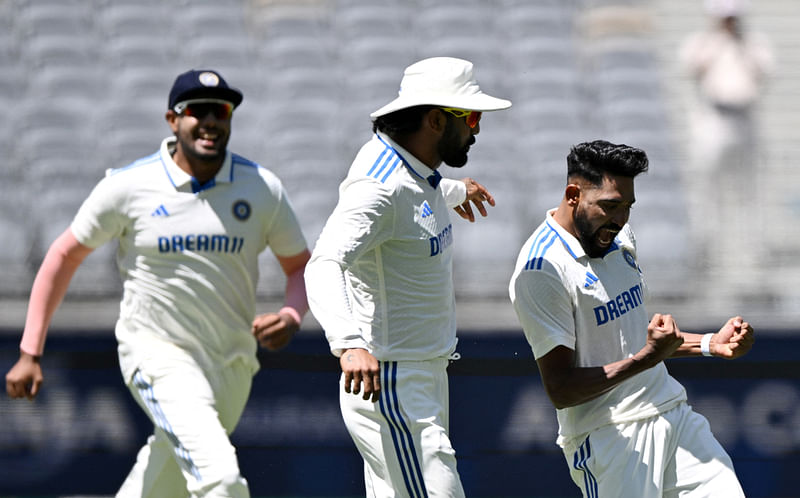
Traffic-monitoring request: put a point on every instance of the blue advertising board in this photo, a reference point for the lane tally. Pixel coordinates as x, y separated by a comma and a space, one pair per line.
81, 435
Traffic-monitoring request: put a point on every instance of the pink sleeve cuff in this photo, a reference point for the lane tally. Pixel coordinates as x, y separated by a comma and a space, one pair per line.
29, 349
295, 301
291, 312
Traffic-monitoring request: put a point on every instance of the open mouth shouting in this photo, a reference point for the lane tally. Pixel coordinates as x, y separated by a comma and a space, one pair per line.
605, 236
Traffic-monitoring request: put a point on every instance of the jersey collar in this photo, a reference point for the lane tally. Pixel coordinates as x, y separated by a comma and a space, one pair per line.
569, 241
571, 244
416, 167
185, 182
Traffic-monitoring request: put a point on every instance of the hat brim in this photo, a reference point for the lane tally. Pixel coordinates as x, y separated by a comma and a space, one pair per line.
229, 94
475, 102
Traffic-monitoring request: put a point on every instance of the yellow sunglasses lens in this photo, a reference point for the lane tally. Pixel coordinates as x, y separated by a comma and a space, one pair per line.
459, 113
472, 116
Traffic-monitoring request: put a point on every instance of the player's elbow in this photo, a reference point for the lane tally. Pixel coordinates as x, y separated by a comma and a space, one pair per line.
560, 394
559, 400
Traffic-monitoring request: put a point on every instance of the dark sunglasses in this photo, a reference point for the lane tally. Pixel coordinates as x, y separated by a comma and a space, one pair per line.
472, 116
201, 108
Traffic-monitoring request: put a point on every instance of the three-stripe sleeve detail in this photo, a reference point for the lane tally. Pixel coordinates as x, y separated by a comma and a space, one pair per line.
386, 163
539, 247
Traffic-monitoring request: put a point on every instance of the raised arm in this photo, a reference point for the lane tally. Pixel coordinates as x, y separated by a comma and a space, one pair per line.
733, 340
461, 194
568, 385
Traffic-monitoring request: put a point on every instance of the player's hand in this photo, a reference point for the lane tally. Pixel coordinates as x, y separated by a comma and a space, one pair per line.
733, 340
274, 330
362, 373
476, 194
25, 378
663, 338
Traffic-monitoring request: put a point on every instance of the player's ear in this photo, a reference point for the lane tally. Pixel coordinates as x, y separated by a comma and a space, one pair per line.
172, 119
572, 194
436, 120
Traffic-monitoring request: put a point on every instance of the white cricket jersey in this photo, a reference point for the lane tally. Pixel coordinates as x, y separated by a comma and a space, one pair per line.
188, 253
390, 237
596, 307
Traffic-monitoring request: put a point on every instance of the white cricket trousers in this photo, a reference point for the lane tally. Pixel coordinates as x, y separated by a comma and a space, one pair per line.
193, 411
669, 456
403, 437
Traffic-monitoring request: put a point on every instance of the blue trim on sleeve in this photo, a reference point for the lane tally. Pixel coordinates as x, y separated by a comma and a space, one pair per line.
402, 159
541, 243
237, 160
137, 163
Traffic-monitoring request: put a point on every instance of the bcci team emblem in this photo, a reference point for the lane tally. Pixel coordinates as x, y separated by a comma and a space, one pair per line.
629, 258
241, 210
208, 79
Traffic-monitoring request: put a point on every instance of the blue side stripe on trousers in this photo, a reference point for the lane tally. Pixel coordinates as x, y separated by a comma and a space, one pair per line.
399, 446
149, 398
401, 435
580, 457
412, 448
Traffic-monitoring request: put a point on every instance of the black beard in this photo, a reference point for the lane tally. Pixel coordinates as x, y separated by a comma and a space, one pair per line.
211, 156
588, 237
452, 154
206, 156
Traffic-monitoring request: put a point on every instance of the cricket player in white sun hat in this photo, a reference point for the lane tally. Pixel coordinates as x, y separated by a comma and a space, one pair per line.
380, 278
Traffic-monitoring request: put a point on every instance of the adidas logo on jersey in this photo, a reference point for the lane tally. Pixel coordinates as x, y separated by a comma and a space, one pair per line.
425, 209
590, 279
160, 211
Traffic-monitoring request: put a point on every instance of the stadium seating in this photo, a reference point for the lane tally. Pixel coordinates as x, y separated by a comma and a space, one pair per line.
119, 20
204, 19
16, 261
145, 53
312, 72
297, 51
39, 19
372, 20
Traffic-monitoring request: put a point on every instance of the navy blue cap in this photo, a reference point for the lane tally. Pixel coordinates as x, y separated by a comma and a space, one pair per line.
202, 84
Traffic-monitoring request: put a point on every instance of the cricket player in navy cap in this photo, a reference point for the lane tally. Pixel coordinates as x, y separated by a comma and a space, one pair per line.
191, 220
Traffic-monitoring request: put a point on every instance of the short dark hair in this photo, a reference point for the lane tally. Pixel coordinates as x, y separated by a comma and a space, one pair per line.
403, 121
593, 160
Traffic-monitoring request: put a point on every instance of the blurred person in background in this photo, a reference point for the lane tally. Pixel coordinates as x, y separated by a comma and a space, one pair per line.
380, 280
728, 65
624, 423
191, 221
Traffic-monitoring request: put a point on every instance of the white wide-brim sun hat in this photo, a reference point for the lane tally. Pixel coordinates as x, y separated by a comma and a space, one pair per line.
444, 82
726, 8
